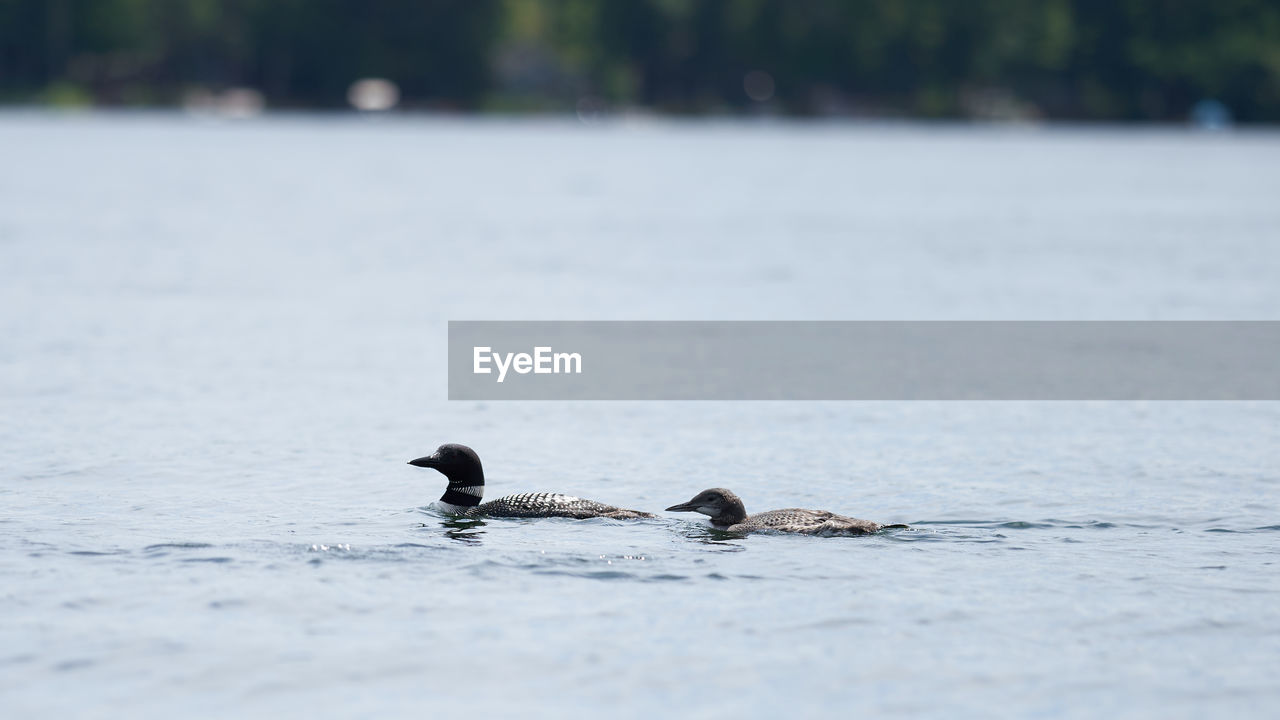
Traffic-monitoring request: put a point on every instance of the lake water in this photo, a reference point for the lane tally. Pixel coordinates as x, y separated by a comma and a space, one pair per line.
222, 342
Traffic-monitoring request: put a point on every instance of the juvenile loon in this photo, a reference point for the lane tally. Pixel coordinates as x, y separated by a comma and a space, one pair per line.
727, 513
461, 465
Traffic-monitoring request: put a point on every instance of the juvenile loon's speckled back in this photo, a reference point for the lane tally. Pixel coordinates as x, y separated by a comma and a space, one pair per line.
728, 513
461, 465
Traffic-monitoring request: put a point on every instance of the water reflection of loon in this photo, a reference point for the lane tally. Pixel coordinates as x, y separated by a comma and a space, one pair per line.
461, 465
727, 513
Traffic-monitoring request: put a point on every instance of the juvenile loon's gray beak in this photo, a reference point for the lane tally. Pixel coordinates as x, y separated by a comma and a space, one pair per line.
427, 462
683, 507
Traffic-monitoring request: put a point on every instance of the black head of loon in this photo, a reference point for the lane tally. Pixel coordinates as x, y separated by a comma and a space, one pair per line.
462, 466
722, 506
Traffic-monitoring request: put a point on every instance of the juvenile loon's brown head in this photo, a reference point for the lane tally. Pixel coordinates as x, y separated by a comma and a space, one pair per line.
462, 466
721, 505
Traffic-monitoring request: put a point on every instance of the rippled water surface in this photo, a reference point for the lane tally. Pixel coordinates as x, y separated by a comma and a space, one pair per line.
221, 343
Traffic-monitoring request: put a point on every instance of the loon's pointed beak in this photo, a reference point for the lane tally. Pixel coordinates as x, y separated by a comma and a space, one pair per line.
427, 462
683, 507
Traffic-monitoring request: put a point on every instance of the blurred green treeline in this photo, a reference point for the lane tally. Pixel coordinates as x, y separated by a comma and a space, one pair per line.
1094, 59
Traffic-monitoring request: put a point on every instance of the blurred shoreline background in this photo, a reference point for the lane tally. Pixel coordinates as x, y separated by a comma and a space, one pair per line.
1210, 62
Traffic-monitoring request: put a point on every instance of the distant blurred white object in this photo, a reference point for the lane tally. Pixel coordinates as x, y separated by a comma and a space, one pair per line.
1210, 114
237, 103
997, 104
373, 94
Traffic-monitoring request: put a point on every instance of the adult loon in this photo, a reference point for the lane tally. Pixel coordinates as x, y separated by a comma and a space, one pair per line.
461, 465
727, 513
